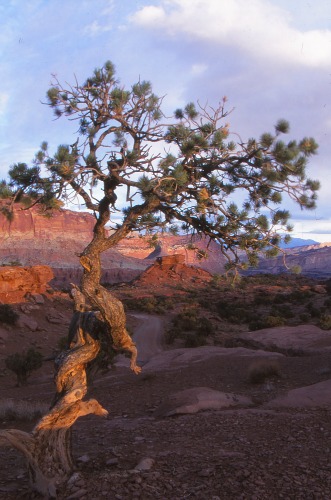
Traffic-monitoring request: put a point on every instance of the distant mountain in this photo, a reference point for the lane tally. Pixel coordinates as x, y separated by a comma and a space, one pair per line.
299, 242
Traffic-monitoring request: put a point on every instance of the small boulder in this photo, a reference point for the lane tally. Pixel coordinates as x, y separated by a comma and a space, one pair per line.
199, 398
144, 464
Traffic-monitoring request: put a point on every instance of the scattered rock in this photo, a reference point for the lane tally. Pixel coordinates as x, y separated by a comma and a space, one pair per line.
37, 298
112, 461
74, 478
78, 494
55, 318
199, 398
83, 459
145, 464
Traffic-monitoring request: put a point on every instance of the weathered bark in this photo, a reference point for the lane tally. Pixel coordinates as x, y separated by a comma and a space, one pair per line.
48, 448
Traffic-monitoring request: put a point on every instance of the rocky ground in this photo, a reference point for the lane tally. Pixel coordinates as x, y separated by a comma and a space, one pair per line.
247, 441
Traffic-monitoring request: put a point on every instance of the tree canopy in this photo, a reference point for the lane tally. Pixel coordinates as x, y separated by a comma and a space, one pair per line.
183, 172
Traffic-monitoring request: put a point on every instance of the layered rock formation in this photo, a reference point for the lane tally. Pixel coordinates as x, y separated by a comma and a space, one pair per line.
16, 282
32, 239
314, 261
172, 269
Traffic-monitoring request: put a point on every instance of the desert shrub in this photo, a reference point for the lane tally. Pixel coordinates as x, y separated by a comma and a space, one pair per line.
13, 263
299, 296
283, 310
11, 409
205, 327
194, 340
280, 298
8, 314
172, 334
190, 327
23, 364
186, 320
305, 317
217, 280
325, 322
259, 371
263, 299
313, 310
234, 311
266, 322
151, 305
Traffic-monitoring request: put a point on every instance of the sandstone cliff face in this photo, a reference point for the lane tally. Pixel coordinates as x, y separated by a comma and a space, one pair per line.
16, 282
32, 239
172, 269
31, 224
179, 245
314, 260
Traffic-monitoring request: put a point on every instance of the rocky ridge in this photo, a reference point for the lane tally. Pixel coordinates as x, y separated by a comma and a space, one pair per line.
32, 238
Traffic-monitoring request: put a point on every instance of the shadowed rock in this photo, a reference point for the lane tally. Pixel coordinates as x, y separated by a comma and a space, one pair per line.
304, 338
199, 398
310, 395
176, 358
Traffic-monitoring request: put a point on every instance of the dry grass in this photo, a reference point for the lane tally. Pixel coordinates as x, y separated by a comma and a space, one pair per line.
11, 409
259, 371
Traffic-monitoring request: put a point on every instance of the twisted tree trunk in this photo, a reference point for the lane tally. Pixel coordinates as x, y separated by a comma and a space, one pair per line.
48, 448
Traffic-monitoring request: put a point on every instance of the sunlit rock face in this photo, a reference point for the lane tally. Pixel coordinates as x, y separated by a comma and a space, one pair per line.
56, 240
16, 282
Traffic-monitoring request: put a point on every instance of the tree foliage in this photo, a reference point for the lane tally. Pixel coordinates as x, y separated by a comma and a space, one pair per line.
185, 173
202, 181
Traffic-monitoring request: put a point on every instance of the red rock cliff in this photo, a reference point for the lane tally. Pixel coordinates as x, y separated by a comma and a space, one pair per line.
15, 282
32, 239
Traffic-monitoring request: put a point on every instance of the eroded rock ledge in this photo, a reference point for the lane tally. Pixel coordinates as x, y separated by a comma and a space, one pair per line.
16, 282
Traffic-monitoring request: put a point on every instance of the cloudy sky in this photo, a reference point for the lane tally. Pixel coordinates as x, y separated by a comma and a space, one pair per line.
271, 58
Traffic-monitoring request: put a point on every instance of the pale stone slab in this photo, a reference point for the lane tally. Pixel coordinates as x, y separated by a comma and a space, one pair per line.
197, 399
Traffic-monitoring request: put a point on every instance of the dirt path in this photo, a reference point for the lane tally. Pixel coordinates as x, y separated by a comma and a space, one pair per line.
148, 336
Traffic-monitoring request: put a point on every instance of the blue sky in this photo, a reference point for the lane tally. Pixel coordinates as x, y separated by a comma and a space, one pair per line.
271, 58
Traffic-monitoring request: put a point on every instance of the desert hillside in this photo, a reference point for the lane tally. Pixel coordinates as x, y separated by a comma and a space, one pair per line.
233, 400
33, 239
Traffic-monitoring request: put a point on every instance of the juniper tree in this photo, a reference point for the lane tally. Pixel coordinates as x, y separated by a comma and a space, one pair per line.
183, 172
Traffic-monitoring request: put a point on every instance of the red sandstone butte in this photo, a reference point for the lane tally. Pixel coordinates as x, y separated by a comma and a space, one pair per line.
171, 269
16, 282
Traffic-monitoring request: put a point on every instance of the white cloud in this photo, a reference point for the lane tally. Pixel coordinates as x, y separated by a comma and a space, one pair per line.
95, 29
257, 27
